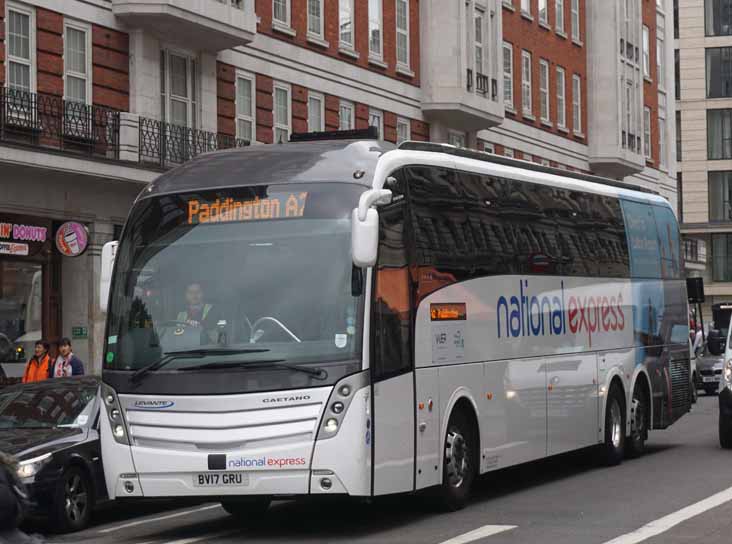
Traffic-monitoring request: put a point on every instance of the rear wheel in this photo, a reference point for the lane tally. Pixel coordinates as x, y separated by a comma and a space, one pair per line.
460, 466
614, 445
636, 445
247, 509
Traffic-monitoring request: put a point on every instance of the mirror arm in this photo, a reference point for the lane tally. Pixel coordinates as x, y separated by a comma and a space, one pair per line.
370, 198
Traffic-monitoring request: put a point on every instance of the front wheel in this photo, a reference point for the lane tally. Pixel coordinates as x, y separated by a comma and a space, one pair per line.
73, 500
247, 509
460, 466
614, 445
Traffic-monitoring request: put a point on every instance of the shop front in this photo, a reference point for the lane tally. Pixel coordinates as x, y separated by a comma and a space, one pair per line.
32, 250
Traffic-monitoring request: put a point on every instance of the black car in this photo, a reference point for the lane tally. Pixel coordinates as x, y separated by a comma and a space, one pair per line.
51, 428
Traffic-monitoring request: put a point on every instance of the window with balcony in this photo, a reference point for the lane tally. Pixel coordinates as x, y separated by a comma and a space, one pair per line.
577, 105
544, 12
526, 83
403, 130
281, 12
282, 112
647, 133
346, 116
646, 51
561, 98
508, 75
575, 20
402, 33
718, 17
21, 47
316, 112
375, 34
345, 23
544, 91
178, 89
719, 134
77, 62
315, 19
376, 119
719, 72
245, 106
722, 257
720, 196
559, 23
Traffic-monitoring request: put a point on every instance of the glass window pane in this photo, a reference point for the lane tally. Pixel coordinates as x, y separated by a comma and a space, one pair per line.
375, 27
19, 76
243, 97
345, 21
179, 113
281, 135
75, 89
315, 119
244, 129
178, 76
19, 35
280, 106
75, 50
280, 11
314, 16
402, 52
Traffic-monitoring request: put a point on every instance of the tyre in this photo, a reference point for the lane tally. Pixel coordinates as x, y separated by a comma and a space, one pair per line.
639, 425
694, 392
725, 432
247, 509
460, 466
73, 501
614, 445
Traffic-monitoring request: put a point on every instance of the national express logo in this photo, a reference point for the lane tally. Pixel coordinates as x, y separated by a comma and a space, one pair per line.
556, 314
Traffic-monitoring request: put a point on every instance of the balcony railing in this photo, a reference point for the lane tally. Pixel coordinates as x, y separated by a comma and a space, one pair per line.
167, 145
469, 80
48, 121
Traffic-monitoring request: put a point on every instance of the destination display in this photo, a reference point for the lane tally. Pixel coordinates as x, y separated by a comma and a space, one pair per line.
226, 210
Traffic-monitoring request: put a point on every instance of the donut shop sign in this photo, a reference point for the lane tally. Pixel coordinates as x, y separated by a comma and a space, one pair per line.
16, 238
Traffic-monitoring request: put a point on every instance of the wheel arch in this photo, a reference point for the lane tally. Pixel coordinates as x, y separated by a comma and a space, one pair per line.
461, 399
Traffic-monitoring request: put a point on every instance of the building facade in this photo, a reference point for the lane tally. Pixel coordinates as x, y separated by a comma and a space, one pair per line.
100, 96
704, 109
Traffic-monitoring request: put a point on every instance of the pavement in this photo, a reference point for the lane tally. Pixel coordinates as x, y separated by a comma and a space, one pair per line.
680, 492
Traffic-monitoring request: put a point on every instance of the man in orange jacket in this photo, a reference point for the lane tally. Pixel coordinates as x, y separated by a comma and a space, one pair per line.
37, 368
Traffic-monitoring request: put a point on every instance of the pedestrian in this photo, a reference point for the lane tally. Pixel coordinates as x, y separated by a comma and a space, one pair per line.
13, 502
38, 366
67, 364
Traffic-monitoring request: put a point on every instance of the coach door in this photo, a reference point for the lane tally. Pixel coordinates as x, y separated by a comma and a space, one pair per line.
391, 360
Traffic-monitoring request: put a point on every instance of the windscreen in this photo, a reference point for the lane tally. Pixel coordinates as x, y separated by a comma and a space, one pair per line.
47, 407
252, 283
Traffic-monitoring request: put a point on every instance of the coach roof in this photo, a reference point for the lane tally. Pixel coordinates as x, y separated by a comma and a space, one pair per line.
323, 161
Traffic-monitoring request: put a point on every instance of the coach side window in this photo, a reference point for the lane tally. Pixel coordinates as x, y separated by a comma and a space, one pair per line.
643, 240
668, 236
392, 306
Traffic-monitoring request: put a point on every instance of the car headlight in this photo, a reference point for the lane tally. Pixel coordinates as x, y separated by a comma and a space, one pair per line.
31, 467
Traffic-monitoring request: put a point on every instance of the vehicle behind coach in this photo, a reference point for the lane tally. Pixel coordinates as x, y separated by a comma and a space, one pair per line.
382, 321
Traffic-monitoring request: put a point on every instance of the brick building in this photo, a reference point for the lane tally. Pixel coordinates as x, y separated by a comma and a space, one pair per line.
99, 96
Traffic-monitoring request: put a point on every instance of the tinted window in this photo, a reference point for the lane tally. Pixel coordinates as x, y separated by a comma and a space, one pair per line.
669, 244
46, 407
643, 240
718, 17
719, 72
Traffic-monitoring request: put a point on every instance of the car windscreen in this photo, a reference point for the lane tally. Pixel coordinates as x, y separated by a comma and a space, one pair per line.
53, 406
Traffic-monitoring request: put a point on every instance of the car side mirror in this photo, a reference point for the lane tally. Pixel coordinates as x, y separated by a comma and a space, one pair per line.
109, 253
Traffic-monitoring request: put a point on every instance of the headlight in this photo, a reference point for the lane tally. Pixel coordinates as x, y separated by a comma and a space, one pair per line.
31, 467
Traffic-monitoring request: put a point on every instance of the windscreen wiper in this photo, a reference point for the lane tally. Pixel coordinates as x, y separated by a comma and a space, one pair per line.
188, 354
316, 372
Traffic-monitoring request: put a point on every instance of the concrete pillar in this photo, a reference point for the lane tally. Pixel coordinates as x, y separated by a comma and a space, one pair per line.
129, 137
99, 234
144, 74
209, 105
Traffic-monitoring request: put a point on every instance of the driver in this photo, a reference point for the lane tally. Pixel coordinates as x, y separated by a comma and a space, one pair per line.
198, 313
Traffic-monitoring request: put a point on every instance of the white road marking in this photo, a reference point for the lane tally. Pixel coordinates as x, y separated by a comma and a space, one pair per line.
160, 518
665, 523
481, 532
201, 538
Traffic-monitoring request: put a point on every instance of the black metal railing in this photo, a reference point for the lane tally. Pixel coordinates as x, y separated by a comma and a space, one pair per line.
167, 145
48, 121
469, 84
482, 83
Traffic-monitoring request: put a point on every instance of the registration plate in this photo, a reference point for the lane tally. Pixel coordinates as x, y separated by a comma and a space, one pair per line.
709, 379
221, 479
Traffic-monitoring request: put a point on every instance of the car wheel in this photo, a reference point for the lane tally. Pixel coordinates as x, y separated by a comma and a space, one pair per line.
460, 465
614, 445
248, 509
725, 432
73, 501
636, 444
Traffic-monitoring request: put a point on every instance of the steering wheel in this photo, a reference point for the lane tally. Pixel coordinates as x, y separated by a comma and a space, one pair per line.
253, 338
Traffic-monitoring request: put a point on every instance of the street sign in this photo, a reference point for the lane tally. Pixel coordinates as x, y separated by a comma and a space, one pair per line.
79, 332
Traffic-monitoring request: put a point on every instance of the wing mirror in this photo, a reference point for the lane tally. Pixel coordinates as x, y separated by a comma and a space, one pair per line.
109, 252
365, 227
